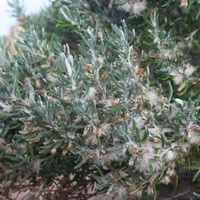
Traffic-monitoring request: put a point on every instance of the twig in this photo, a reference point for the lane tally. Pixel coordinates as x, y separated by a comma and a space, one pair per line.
178, 195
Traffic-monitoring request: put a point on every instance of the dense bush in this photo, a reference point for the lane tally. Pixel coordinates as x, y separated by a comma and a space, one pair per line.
119, 112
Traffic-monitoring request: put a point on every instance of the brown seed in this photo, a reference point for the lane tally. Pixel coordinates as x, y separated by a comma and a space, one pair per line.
134, 55
158, 56
126, 116
27, 125
88, 67
141, 71
70, 146
105, 75
37, 84
58, 113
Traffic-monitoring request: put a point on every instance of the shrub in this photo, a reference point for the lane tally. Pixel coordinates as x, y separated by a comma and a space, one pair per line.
121, 110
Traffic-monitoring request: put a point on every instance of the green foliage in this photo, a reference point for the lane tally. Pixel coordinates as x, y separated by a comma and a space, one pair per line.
120, 111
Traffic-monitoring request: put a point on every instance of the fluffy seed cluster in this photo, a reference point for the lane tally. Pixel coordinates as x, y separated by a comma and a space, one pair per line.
132, 6
181, 75
184, 4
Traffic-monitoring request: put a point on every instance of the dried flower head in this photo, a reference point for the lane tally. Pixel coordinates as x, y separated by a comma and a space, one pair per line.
104, 129
53, 151
105, 75
132, 6
110, 102
168, 54
170, 154
102, 158
126, 116
171, 172
88, 66
138, 193
144, 161
52, 77
165, 180
37, 84
184, 147
121, 191
150, 190
139, 121
91, 93
131, 161
152, 97
36, 165
184, 4
178, 76
23, 147
190, 69
194, 134
92, 140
